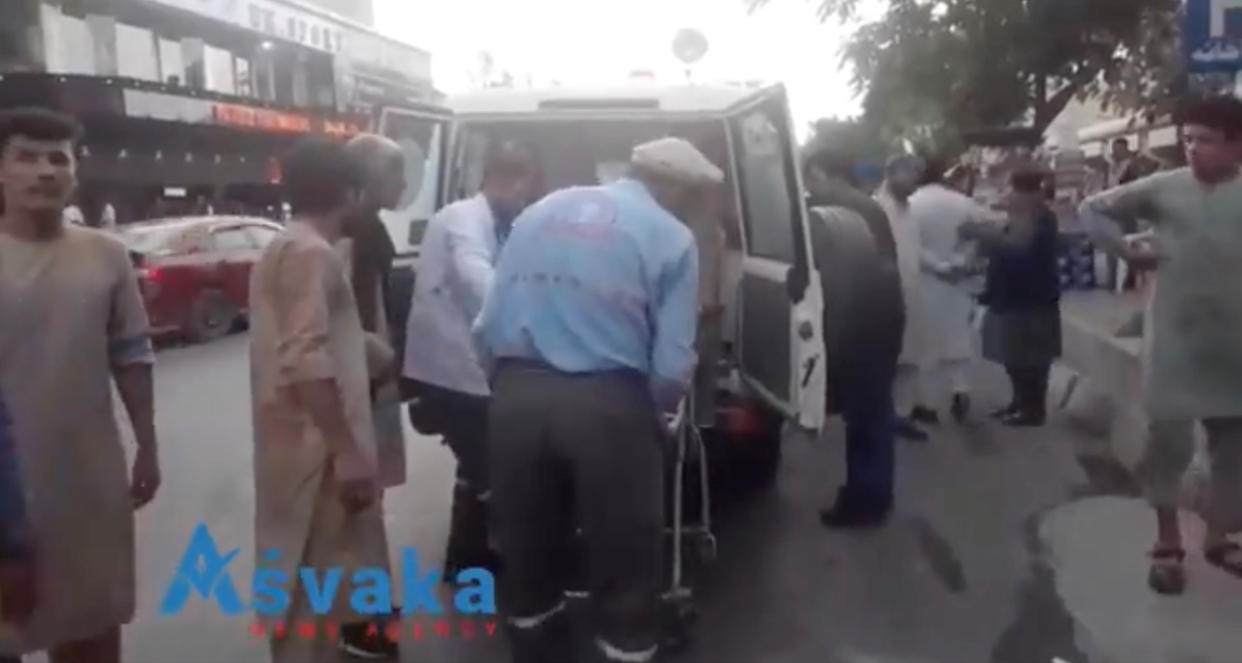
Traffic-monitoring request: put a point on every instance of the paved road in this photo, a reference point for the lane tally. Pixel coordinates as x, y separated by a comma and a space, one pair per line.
1010, 547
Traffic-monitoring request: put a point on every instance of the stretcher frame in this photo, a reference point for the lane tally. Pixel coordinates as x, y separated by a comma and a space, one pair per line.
688, 446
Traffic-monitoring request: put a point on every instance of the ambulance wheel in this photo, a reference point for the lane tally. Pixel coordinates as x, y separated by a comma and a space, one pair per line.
762, 462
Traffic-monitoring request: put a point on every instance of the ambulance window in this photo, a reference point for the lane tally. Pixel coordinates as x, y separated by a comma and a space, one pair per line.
422, 139
766, 183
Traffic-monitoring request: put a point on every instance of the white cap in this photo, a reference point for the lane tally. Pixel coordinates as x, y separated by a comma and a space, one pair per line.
677, 159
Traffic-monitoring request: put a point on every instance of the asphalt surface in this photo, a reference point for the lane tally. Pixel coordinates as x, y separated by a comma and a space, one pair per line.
1009, 547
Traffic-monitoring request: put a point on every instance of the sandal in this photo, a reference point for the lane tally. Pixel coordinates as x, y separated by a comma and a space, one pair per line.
1167, 575
1226, 557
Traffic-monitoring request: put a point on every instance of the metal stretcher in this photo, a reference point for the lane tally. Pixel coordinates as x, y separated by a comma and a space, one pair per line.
687, 539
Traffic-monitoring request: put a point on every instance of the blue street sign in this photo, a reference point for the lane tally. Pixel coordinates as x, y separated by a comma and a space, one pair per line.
1212, 35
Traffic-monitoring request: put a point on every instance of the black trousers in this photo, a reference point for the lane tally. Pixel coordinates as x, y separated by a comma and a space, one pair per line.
1030, 389
578, 451
462, 419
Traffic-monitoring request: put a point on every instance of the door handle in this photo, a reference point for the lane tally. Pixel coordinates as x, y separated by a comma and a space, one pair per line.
809, 370
796, 281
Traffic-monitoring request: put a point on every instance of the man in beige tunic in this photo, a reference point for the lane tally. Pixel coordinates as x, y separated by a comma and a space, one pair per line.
315, 457
71, 321
1192, 355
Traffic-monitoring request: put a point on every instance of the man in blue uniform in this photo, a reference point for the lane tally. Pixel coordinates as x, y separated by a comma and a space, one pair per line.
17, 577
590, 327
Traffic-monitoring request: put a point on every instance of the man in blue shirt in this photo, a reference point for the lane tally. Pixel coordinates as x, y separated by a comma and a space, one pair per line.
590, 325
16, 560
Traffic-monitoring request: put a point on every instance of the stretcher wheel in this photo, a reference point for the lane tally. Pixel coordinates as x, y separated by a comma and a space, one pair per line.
680, 619
705, 548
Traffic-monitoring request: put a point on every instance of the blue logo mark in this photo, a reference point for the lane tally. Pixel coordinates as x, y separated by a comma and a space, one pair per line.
203, 570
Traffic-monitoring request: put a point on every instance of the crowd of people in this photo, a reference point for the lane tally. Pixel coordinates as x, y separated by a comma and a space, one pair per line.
550, 341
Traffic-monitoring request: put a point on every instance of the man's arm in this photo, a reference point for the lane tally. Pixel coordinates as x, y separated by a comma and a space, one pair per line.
676, 323
305, 363
471, 261
132, 356
1107, 212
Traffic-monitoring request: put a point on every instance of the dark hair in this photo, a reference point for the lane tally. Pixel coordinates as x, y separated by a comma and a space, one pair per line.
1223, 114
830, 160
934, 170
510, 159
1121, 141
319, 175
37, 124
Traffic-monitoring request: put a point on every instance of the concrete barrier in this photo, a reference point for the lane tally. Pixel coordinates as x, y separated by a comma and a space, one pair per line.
1103, 353
1107, 391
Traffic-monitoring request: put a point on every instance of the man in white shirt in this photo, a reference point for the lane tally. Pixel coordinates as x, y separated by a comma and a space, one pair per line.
442, 369
945, 308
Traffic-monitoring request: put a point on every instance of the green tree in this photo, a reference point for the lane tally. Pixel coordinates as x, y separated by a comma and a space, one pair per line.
933, 69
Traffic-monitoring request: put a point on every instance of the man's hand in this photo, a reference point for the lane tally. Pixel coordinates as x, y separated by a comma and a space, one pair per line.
1143, 256
18, 589
145, 481
357, 495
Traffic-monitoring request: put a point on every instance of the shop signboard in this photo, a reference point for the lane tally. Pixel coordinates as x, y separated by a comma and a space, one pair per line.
1212, 36
175, 108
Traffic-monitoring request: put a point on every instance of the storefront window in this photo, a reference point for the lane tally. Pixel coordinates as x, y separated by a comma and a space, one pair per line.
136, 53
68, 42
219, 68
245, 80
172, 63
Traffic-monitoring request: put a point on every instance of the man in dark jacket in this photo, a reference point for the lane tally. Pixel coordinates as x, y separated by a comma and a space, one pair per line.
382, 164
864, 320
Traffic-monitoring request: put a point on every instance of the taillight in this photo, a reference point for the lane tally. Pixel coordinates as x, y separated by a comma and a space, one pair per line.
149, 278
741, 419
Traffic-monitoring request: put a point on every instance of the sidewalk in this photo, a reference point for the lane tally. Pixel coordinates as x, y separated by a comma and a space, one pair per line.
1095, 548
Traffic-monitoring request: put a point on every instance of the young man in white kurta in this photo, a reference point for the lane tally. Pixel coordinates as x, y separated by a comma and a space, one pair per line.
1192, 355
71, 322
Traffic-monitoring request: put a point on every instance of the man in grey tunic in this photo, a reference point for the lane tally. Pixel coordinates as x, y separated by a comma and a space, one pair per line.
1192, 355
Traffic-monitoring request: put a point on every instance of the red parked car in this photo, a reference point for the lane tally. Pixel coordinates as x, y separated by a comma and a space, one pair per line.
195, 271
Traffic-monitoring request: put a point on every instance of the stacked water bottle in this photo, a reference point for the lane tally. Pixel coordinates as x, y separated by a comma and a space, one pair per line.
1077, 264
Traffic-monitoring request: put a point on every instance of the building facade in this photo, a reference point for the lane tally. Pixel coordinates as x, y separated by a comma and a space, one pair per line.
362, 11
196, 98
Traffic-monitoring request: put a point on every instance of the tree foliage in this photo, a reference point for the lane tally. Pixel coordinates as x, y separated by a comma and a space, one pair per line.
933, 69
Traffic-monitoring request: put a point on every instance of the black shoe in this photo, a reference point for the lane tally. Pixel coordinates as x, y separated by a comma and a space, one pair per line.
908, 430
925, 415
842, 517
961, 407
368, 641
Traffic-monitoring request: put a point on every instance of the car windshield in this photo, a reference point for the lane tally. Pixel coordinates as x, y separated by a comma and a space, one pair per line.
155, 238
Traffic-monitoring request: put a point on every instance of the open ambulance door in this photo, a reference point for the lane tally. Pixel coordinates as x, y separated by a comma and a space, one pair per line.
425, 136
780, 348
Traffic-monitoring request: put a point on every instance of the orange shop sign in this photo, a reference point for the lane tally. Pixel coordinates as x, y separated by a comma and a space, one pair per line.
234, 115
